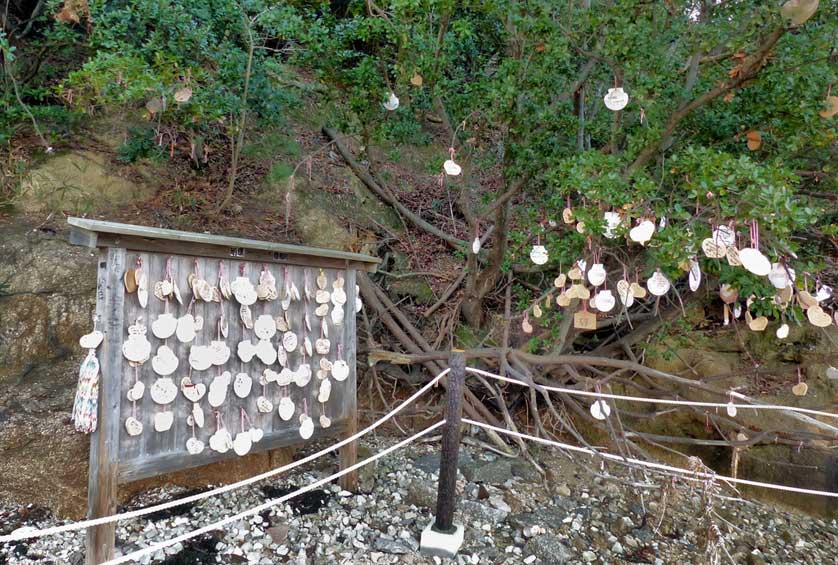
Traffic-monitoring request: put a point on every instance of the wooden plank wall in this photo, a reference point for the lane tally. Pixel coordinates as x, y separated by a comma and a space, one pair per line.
104, 442
152, 452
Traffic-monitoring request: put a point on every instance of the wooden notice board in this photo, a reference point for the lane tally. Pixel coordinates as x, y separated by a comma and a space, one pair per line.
117, 456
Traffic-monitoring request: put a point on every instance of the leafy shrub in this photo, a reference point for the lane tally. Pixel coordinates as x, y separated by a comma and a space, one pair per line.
140, 144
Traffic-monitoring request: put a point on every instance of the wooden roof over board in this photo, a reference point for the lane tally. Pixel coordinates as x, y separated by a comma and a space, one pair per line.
95, 233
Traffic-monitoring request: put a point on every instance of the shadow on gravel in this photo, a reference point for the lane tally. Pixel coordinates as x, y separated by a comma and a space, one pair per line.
200, 551
18, 518
306, 503
169, 512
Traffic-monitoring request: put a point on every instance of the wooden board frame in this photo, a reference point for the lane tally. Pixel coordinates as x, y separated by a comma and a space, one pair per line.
118, 245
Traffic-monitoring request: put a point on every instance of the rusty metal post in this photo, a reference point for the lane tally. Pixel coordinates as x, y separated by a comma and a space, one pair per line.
447, 490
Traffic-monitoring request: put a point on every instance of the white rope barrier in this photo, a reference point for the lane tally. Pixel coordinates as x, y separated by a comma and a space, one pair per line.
29, 533
264, 506
649, 400
650, 464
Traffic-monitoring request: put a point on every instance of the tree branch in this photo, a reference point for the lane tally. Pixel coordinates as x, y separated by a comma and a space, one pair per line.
747, 71
386, 196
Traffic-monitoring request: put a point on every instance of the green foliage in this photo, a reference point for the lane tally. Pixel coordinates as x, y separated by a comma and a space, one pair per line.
525, 81
140, 144
512, 64
145, 52
279, 173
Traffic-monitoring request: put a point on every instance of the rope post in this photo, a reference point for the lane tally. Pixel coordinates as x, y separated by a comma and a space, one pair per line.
442, 537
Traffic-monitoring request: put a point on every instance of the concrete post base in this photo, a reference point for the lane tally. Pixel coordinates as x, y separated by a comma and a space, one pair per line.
440, 544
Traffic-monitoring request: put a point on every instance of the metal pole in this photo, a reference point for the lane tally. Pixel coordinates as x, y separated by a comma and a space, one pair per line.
447, 489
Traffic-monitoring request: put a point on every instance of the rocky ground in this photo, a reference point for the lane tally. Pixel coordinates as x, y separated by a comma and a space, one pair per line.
511, 514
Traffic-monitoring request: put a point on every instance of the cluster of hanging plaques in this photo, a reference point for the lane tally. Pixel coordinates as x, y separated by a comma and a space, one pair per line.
601, 290
588, 280
280, 373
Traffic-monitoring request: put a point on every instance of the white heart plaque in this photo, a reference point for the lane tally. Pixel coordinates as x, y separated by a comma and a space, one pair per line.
754, 261
452, 169
337, 315
256, 434
286, 408
164, 326
612, 222
198, 415
596, 274
605, 300
782, 331
266, 352
163, 421
289, 341
600, 410
185, 328
242, 385
91, 340
218, 389
338, 296
264, 327
137, 348
194, 446
136, 392
303, 375
192, 392
246, 350
616, 99
306, 427
219, 352
340, 370
625, 293
242, 443
286, 377
724, 235
165, 362
221, 441
658, 284
695, 275
642, 232
133, 426
539, 255
264, 405
163, 391
325, 391
322, 346
200, 357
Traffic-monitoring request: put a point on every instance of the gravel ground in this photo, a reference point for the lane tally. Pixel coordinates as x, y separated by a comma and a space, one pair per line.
511, 514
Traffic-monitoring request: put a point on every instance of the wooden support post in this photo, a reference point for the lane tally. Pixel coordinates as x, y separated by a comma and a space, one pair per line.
104, 444
447, 489
349, 454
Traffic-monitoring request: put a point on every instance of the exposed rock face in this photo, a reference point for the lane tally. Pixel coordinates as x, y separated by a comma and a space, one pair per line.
47, 300
724, 360
80, 181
